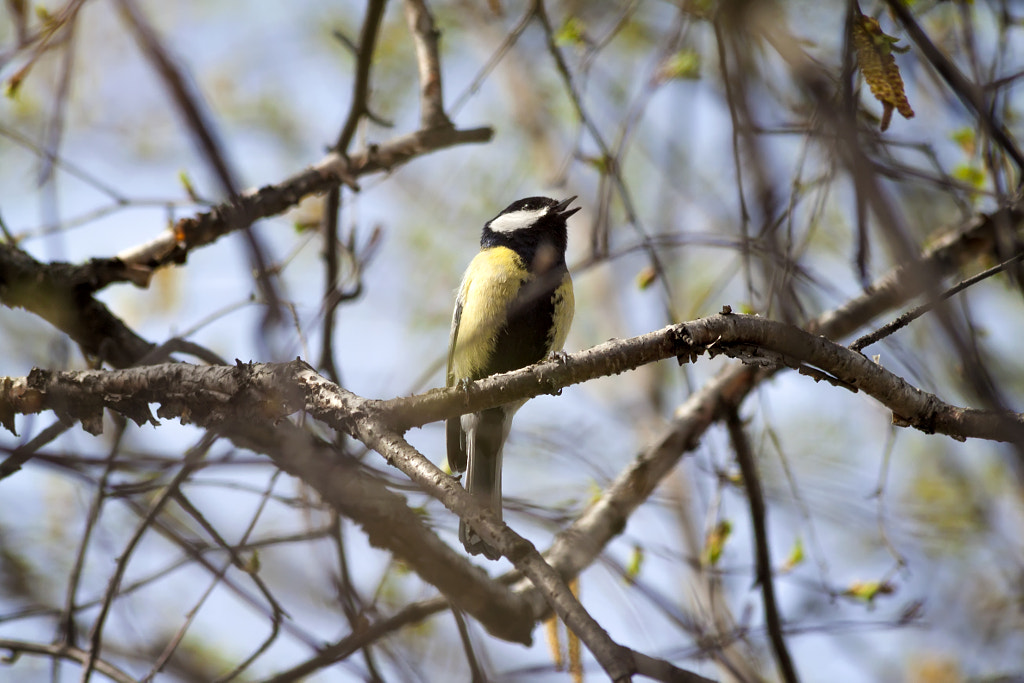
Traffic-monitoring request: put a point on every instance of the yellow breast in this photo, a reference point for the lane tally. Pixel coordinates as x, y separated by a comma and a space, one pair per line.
490, 284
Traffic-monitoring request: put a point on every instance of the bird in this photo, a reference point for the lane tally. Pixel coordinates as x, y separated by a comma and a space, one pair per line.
514, 308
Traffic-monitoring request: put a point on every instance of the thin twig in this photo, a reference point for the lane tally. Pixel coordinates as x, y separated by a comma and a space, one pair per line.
72, 654
759, 523
68, 630
114, 583
329, 235
357, 640
969, 93
915, 313
476, 675
361, 85
190, 105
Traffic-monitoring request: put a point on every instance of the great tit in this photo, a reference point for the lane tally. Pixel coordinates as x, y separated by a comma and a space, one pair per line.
514, 308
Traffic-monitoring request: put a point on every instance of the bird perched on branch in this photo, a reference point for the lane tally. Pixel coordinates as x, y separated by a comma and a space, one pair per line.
514, 307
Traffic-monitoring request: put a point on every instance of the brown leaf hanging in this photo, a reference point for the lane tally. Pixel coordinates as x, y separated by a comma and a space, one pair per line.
874, 57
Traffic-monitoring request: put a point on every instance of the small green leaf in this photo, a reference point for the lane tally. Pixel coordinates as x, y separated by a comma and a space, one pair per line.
683, 65
602, 163
646, 277
252, 565
796, 556
186, 182
867, 591
715, 543
966, 137
972, 175
636, 560
571, 33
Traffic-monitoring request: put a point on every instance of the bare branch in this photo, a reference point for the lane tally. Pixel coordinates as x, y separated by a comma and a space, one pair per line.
971, 94
173, 245
758, 520
917, 312
73, 654
411, 614
61, 294
425, 37
364, 61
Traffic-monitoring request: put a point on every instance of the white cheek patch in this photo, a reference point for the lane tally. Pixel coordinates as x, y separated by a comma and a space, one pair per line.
517, 220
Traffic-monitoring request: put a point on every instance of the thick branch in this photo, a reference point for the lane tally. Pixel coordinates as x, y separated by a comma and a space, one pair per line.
244, 403
60, 294
230, 398
137, 264
576, 546
389, 523
755, 340
216, 393
615, 659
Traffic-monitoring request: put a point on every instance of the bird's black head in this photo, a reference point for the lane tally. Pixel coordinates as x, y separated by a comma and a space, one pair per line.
534, 228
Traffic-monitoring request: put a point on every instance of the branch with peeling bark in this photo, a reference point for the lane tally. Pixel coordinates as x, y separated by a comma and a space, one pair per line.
247, 403
232, 399
502, 612
217, 395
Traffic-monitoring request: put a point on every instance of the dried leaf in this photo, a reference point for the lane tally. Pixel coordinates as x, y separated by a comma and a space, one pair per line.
575, 654
874, 57
554, 642
7, 411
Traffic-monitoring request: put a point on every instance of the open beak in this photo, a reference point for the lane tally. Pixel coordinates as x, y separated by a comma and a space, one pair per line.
562, 206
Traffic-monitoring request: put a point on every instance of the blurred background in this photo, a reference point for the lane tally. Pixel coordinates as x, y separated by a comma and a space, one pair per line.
710, 146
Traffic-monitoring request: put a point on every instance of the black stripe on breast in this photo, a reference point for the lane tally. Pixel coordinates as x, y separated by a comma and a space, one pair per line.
526, 337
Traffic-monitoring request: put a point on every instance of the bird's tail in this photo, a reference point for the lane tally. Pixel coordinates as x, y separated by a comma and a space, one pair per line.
484, 442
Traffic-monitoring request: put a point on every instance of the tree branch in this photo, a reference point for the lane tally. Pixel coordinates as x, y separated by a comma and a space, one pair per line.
969, 93
173, 245
58, 651
361, 84
425, 37
758, 520
60, 294
234, 399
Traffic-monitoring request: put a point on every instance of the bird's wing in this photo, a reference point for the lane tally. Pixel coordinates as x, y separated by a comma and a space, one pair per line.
450, 378
455, 439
